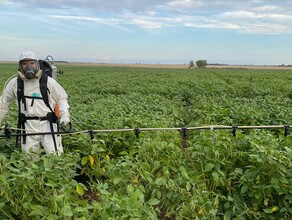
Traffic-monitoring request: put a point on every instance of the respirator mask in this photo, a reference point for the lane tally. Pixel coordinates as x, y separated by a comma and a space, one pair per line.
29, 69
30, 72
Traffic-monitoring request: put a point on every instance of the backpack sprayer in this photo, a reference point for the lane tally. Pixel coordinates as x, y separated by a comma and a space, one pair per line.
49, 68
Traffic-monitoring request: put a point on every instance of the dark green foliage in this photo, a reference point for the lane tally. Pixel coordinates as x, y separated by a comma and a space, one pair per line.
201, 64
120, 176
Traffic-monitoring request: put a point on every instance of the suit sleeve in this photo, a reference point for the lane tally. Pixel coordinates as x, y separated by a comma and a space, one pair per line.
60, 96
9, 94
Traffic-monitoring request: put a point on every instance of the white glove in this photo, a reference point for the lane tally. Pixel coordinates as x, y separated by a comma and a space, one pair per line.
64, 120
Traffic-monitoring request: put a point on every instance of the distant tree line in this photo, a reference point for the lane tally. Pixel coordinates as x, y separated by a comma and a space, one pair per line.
199, 64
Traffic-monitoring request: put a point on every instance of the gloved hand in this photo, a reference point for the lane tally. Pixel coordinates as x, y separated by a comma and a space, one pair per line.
65, 123
64, 120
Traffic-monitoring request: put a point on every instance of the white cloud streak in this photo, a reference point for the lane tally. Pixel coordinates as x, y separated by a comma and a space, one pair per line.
250, 17
104, 21
13, 38
253, 15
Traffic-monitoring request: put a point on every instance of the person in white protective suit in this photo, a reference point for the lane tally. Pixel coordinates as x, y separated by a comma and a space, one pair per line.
33, 109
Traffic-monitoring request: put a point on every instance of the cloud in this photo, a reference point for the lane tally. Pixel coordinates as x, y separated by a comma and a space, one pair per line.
215, 25
267, 28
260, 21
109, 5
267, 8
243, 22
254, 16
104, 21
148, 22
184, 4
5, 2
13, 38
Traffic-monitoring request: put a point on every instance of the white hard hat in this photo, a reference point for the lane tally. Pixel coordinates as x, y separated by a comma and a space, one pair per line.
27, 55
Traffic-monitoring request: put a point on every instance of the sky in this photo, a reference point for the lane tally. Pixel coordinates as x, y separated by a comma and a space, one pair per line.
252, 32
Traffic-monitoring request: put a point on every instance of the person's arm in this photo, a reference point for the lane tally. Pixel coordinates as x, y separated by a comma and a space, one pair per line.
60, 96
7, 96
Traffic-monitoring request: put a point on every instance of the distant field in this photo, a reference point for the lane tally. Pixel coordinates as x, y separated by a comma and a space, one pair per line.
176, 66
185, 66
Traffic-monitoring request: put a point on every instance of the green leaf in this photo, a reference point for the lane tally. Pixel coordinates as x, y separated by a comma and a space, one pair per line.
80, 209
269, 211
156, 164
130, 189
275, 183
59, 197
47, 164
184, 172
244, 188
100, 150
153, 201
2, 179
159, 181
67, 210
284, 180
117, 180
230, 198
209, 166
188, 186
34, 166
238, 170
288, 150
80, 190
84, 160
36, 212
216, 177
102, 142
2, 204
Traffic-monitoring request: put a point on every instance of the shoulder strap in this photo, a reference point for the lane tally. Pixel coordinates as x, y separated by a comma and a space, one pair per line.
20, 86
20, 96
44, 90
20, 93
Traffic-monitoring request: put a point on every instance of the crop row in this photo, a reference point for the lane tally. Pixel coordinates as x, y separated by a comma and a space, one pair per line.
117, 175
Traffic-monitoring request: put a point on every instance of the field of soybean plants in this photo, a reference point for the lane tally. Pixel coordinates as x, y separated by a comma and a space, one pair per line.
158, 174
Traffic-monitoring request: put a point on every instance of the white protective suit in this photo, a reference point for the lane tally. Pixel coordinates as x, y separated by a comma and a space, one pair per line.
38, 108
